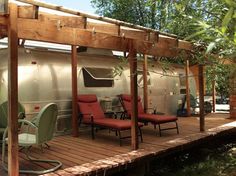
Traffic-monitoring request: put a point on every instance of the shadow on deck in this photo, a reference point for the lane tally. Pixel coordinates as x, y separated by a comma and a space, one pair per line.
76, 151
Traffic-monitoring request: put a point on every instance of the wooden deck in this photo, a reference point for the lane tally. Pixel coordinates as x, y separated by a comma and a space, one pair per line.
76, 151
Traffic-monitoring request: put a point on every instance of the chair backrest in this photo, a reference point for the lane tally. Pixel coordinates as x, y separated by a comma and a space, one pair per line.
4, 113
88, 105
126, 103
46, 122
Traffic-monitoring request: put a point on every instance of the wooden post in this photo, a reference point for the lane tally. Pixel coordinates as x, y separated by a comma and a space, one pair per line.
145, 84
187, 88
74, 91
13, 159
134, 97
214, 95
201, 97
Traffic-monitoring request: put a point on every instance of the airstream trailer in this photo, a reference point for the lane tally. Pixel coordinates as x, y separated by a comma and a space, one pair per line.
44, 75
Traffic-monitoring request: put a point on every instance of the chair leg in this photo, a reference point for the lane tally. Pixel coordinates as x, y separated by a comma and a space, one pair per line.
48, 146
141, 134
3, 150
92, 131
177, 127
57, 166
41, 148
120, 137
159, 129
80, 121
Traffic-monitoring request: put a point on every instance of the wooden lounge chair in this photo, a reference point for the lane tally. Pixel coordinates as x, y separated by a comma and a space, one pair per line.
155, 119
92, 114
43, 132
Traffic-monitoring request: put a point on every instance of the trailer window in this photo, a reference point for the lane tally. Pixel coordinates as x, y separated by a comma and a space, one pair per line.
98, 77
140, 78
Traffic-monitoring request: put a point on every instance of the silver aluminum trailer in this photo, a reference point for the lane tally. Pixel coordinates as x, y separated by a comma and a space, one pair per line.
44, 76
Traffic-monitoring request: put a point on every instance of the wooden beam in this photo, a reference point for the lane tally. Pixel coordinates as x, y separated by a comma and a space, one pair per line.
103, 28
134, 96
201, 97
187, 88
63, 21
214, 95
32, 29
185, 45
3, 31
100, 18
145, 83
3, 20
113, 29
13, 159
74, 91
30, 12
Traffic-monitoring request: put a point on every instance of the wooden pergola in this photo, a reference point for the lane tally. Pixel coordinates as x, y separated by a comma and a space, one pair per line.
27, 22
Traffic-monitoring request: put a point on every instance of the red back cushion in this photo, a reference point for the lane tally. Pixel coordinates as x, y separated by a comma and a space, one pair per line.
88, 104
127, 104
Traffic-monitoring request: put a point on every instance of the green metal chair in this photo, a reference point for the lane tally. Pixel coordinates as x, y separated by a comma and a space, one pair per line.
4, 115
44, 126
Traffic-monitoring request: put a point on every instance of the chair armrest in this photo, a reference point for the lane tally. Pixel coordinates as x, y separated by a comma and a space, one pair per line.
153, 110
112, 113
21, 115
23, 122
83, 114
90, 114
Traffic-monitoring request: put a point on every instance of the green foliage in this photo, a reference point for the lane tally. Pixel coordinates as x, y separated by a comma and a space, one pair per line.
221, 74
219, 34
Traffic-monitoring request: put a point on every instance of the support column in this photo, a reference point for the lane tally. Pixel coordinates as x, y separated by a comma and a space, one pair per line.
187, 88
13, 159
75, 124
145, 84
201, 97
214, 95
134, 97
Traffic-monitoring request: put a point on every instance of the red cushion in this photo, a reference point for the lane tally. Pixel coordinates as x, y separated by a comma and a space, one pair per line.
87, 98
127, 97
114, 123
157, 118
88, 105
127, 104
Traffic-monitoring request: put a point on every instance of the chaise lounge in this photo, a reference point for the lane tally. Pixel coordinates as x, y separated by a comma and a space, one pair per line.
146, 117
91, 113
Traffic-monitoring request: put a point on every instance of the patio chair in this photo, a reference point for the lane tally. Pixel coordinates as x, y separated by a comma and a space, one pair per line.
146, 118
92, 114
43, 133
4, 115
